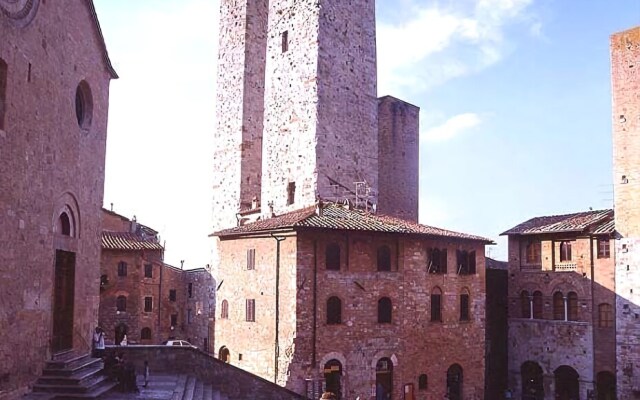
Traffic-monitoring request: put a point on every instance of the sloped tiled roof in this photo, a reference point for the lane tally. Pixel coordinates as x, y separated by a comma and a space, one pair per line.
600, 221
342, 218
127, 241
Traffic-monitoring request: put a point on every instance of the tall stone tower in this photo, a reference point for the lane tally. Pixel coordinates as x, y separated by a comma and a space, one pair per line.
239, 108
625, 63
320, 109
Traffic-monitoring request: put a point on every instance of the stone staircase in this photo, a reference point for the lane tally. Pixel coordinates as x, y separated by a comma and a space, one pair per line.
72, 376
168, 387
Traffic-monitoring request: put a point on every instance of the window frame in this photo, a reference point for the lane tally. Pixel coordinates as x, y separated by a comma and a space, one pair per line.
436, 299
537, 300
224, 309
173, 295
437, 261
525, 305
573, 306
250, 310
122, 269
385, 310
565, 251
148, 304
121, 303
148, 270
251, 259
558, 306
383, 258
332, 255
423, 382
143, 333
533, 252
465, 307
334, 310
604, 248
606, 318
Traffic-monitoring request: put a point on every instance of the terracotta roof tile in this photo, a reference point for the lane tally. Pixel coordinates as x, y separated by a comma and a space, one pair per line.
576, 222
127, 241
341, 218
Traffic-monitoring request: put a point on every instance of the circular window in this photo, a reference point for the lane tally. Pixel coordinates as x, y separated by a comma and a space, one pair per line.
21, 12
84, 105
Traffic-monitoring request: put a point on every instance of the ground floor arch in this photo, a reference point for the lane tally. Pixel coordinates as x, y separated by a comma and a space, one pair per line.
454, 382
333, 377
567, 384
384, 379
532, 381
224, 354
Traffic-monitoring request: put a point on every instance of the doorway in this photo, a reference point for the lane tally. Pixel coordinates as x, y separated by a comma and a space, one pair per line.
567, 385
332, 378
121, 332
63, 300
606, 385
384, 379
454, 382
224, 354
532, 381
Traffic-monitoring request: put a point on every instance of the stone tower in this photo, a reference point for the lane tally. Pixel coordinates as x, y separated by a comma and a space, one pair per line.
239, 108
320, 109
625, 63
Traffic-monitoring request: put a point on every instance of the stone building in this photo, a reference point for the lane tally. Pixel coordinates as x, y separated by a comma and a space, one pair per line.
562, 330
625, 85
496, 361
54, 97
144, 298
330, 297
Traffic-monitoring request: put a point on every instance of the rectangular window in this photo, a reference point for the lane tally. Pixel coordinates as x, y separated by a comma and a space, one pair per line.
148, 270
172, 295
291, 193
285, 41
565, 251
251, 310
436, 308
148, 304
466, 262
437, 261
534, 253
604, 249
190, 290
174, 319
464, 307
189, 316
251, 259
122, 268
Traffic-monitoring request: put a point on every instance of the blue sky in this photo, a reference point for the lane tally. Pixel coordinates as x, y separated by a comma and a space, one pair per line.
514, 95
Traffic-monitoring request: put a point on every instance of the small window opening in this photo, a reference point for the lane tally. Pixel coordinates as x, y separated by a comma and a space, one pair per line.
466, 262
224, 313
437, 261
84, 105
65, 224
464, 307
572, 306
384, 310
122, 268
148, 270
190, 290
334, 311
624, 179
565, 251
537, 304
172, 295
291, 193
384, 258
121, 303
436, 305
145, 334
422, 382
604, 248
332, 257
250, 310
29, 73
148, 304
285, 41
558, 306
174, 319
251, 259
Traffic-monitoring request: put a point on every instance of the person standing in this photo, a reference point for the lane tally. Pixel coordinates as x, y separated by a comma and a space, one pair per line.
98, 343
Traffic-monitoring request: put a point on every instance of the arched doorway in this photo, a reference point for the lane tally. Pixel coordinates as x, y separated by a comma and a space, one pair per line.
454, 382
606, 385
566, 382
384, 379
333, 377
121, 331
532, 384
224, 354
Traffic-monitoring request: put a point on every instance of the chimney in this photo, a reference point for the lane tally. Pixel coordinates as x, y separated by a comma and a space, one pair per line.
181, 264
134, 224
255, 203
271, 213
319, 207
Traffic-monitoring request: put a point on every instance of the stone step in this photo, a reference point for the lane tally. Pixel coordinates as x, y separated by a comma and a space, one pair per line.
207, 391
76, 378
179, 388
190, 387
95, 392
71, 386
69, 368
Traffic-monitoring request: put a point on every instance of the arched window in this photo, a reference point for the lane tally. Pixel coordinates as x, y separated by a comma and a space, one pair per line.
384, 258
332, 257
558, 306
224, 354
422, 382
334, 310
464, 307
384, 310
532, 376
121, 303
436, 305
64, 224
525, 305
454, 382
3, 92
565, 251
84, 105
332, 377
122, 268
224, 312
537, 304
145, 334
605, 316
572, 306
567, 383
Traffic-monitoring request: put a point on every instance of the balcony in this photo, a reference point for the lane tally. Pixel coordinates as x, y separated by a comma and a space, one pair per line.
565, 267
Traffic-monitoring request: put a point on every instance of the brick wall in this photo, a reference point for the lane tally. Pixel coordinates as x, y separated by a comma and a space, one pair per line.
307, 342
398, 144
625, 85
49, 165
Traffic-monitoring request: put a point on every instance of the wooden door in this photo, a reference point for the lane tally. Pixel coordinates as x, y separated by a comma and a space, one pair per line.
63, 300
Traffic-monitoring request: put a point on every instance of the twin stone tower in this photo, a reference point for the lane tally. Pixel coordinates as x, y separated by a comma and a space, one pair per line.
298, 117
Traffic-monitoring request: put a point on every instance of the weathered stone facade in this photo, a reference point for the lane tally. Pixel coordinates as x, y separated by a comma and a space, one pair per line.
625, 83
158, 301
54, 97
562, 307
301, 276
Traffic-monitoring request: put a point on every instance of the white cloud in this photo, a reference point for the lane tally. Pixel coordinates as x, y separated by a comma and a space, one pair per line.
452, 127
438, 44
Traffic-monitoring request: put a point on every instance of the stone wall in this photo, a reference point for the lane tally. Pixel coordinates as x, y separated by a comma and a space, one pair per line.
201, 301
582, 345
320, 126
231, 381
51, 164
625, 82
398, 145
